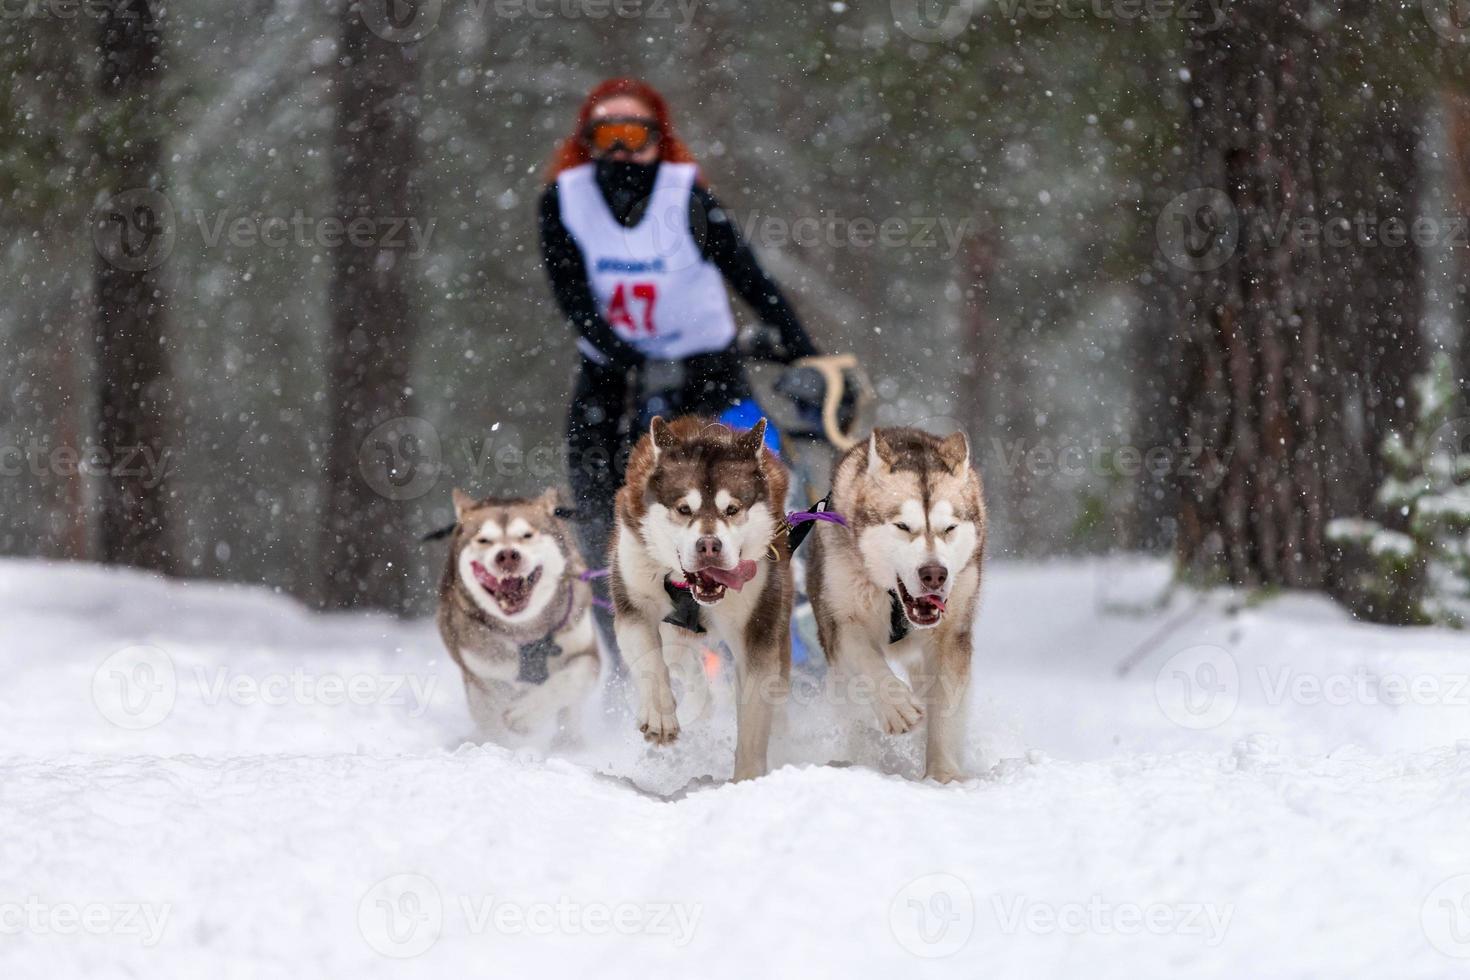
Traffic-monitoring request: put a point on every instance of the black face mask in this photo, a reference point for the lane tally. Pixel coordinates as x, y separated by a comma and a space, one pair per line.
625, 185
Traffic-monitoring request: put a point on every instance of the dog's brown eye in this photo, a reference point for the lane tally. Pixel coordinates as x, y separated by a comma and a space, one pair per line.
903, 527
482, 540
732, 510
950, 528
528, 535
685, 510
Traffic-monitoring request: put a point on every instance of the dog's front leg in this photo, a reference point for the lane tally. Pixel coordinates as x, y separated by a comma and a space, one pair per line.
897, 708
485, 705
642, 650
947, 685
762, 676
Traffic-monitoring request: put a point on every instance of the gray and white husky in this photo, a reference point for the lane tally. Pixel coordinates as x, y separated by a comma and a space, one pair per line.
516, 617
900, 583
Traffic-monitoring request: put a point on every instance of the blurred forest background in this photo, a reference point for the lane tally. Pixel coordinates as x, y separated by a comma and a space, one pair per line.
1084, 269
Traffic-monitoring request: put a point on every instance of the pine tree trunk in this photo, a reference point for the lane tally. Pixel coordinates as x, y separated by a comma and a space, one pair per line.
364, 544
1390, 288
132, 234
1252, 508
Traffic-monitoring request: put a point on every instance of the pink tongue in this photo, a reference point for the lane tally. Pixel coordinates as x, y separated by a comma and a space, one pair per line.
933, 600
483, 576
734, 578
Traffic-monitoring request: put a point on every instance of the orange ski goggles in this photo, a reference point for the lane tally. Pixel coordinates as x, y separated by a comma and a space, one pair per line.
632, 133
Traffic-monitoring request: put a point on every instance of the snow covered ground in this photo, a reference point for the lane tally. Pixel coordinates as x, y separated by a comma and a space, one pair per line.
200, 780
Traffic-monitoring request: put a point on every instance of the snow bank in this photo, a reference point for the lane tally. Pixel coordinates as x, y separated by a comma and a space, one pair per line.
209, 781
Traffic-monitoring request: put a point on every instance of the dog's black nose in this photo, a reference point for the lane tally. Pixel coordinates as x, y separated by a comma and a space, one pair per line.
933, 577
508, 559
708, 546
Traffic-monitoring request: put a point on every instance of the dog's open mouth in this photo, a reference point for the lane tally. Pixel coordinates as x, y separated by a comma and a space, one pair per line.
926, 610
512, 592
709, 584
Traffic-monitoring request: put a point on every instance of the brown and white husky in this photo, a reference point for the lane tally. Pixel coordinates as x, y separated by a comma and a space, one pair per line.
515, 616
696, 550
901, 582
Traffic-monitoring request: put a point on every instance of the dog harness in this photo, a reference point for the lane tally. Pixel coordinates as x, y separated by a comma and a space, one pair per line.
898, 623
534, 668
686, 609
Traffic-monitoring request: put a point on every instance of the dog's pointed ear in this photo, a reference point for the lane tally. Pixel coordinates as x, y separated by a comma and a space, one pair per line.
954, 450
751, 440
661, 437
880, 453
463, 503
548, 501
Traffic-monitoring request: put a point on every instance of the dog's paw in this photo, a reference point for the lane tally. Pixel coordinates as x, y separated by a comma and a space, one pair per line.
897, 709
944, 774
658, 727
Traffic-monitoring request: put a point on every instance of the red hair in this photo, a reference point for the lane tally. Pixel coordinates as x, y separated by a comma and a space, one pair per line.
573, 150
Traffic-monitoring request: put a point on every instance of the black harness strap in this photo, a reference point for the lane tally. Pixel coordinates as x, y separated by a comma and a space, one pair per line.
898, 623
686, 610
797, 534
534, 668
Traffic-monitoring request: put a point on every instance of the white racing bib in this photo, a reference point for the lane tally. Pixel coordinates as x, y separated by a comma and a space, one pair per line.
650, 281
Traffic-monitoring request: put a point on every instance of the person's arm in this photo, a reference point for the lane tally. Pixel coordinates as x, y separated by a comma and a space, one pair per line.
568, 273
722, 244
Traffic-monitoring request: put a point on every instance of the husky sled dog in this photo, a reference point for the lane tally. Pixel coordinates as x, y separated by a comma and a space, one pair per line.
693, 553
516, 617
901, 581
